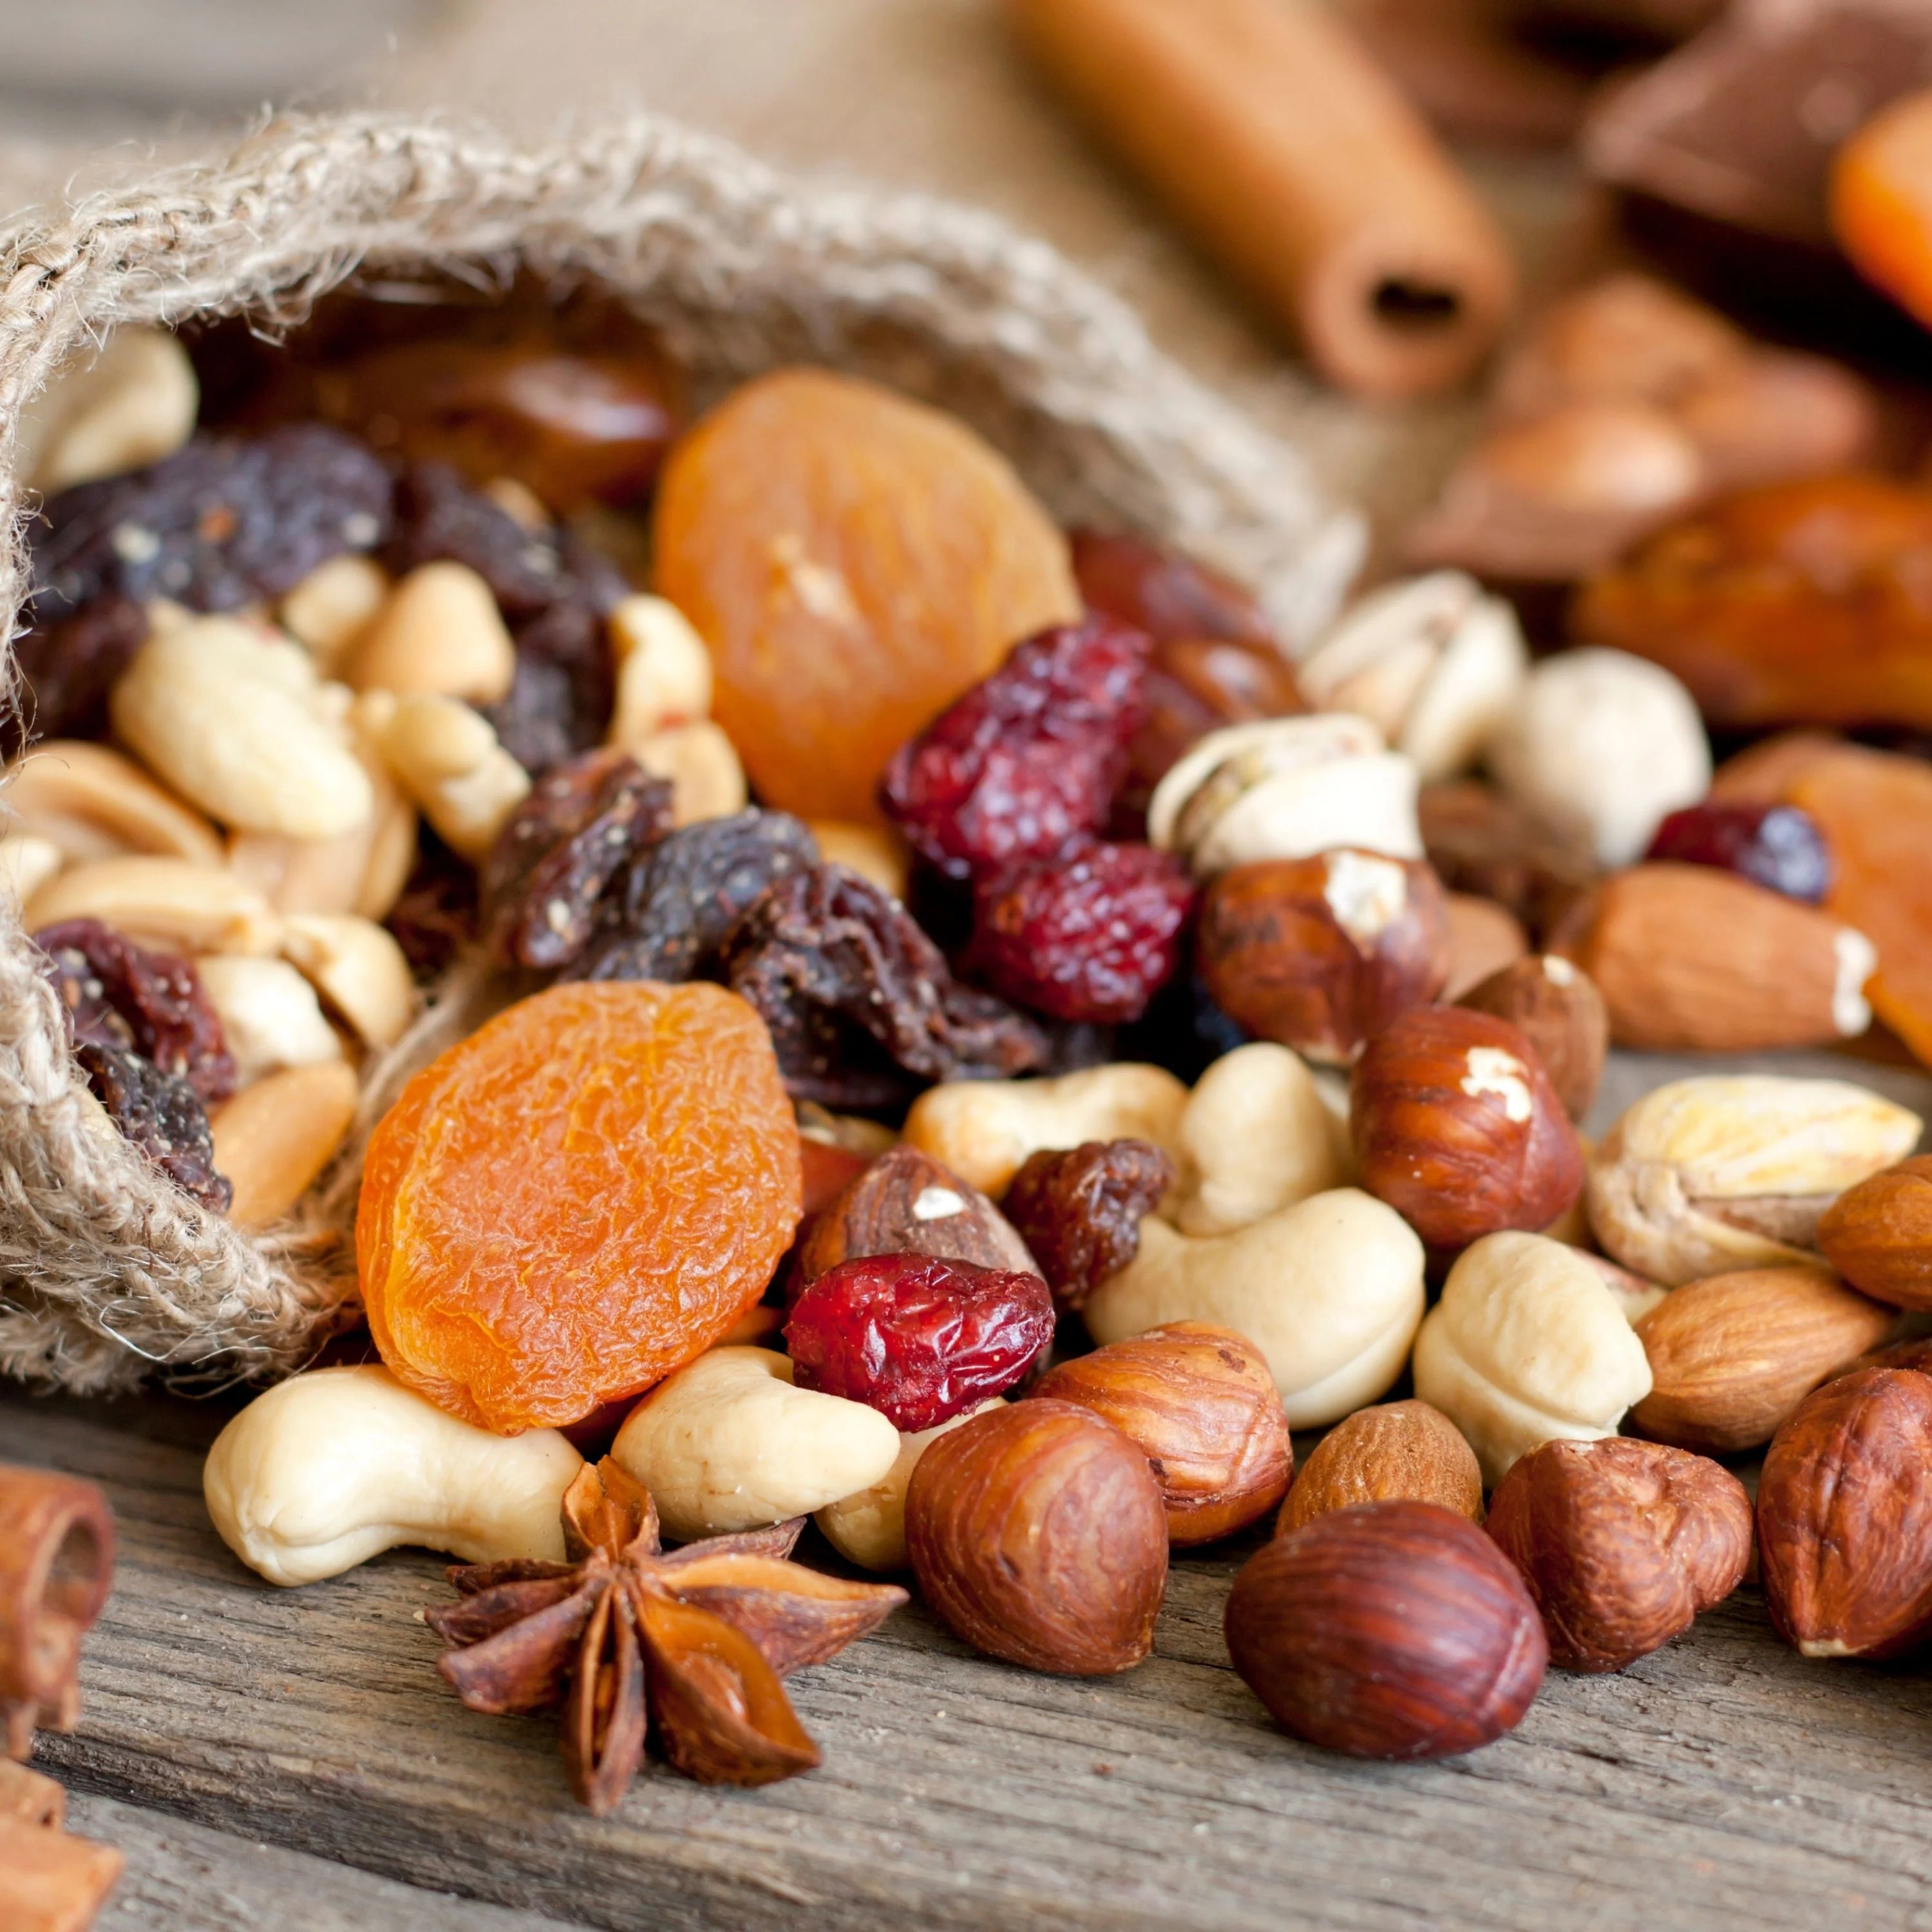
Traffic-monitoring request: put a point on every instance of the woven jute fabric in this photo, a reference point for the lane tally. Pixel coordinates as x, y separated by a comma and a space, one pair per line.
108, 1272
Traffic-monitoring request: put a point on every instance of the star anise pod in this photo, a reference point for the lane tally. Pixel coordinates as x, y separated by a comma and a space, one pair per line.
696, 1638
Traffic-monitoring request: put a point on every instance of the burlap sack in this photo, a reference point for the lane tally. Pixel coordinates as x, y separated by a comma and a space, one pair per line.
107, 1272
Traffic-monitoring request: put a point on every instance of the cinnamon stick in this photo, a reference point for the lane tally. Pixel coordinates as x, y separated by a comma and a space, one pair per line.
56, 1561
1296, 161
49, 1881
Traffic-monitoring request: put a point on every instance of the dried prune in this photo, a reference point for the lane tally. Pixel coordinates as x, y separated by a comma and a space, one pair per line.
1166, 595
1779, 847
161, 1116
224, 522
119, 995
666, 916
919, 1340
862, 1006
1080, 1212
1030, 757
544, 878
436, 914
1092, 933
66, 670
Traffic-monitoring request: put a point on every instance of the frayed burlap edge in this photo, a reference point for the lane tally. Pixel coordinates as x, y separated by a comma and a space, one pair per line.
107, 1273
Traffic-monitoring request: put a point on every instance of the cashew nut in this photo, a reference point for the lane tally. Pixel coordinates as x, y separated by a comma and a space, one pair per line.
1435, 662
163, 902
1286, 788
329, 608
726, 1443
447, 757
439, 632
331, 1467
707, 778
874, 852
1331, 1290
868, 1528
26, 864
361, 872
93, 803
1255, 1137
270, 1016
233, 718
664, 671
984, 1129
274, 1137
133, 403
1527, 1345
358, 966
1599, 747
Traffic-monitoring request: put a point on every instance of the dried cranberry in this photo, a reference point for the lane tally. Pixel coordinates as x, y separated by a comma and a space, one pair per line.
1781, 847
117, 994
1091, 933
919, 1340
224, 522
1166, 595
66, 670
161, 1116
1080, 1212
1030, 757
666, 916
544, 878
862, 1006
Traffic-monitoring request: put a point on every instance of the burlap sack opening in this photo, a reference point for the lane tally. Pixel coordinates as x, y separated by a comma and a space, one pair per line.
108, 1273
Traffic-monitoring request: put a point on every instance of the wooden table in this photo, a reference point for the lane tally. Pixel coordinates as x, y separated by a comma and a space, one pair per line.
291, 1760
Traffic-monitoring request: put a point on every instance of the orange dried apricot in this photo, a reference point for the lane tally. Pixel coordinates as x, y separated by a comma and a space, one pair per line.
1881, 202
855, 561
576, 1199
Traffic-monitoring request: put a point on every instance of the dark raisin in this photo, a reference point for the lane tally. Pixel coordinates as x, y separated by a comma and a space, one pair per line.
1030, 757
161, 1116
1080, 1212
117, 994
580, 825
862, 1008
674, 907
436, 914
1168, 596
560, 700
1780, 846
66, 670
1182, 1030
1091, 933
919, 1340
439, 517
224, 522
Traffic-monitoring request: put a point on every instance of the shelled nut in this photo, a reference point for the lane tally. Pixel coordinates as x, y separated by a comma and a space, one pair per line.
1255, 1137
358, 967
448, 758
1484, 937
874, 852
906, 1202
92, 803
1395, 1451
1878, 1234
326, 610
707, 778
439, 630
270, 1016
664, 671
131, 404
868, 1528
274, 1137
164, 902
1556, 1006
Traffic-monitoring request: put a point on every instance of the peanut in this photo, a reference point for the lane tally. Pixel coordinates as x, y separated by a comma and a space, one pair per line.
275, 1136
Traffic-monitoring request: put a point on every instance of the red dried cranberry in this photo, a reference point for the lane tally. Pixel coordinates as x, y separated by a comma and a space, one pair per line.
919, 1340
1091, 933
1777, 846
1161, 592
1028, 758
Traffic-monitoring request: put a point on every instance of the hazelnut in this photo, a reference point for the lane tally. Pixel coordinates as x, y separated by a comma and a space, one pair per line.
1200, 1402
1878, 1234
1483, 938
1395, 1451
1038, 1533
906, 1203
1456, 1126
1559, 1011
1732, 1356
1320, 954
1485, 844
1844, 1517
1397, 1630
1622, 1544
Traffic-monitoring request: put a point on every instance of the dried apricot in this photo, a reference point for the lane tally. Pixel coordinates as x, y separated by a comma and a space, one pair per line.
576, 1199
854, 561
1881, 201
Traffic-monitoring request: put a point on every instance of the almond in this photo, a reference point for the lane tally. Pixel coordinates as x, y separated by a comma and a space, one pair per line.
906, 1203
1395, 1451
1844, 1517
1878, 1234
1690, 959
1732, 1355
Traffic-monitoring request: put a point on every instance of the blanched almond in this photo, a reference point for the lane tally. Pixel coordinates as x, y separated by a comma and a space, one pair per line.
93, 803
273, 1138
358, 968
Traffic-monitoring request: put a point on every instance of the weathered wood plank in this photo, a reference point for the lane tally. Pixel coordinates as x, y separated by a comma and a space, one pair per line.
1722, 1784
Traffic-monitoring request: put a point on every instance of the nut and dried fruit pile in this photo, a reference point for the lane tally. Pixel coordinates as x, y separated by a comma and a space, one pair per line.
984, 1046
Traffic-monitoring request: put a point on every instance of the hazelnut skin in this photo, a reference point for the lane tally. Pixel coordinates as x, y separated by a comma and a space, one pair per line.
1393, 1630
1456, 1125
1038, 1533
1878, 1234
906, 1203
1199, 1400
1393, 1451
1320, 954
1557, 1009
1621, 1543
1844, 1517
